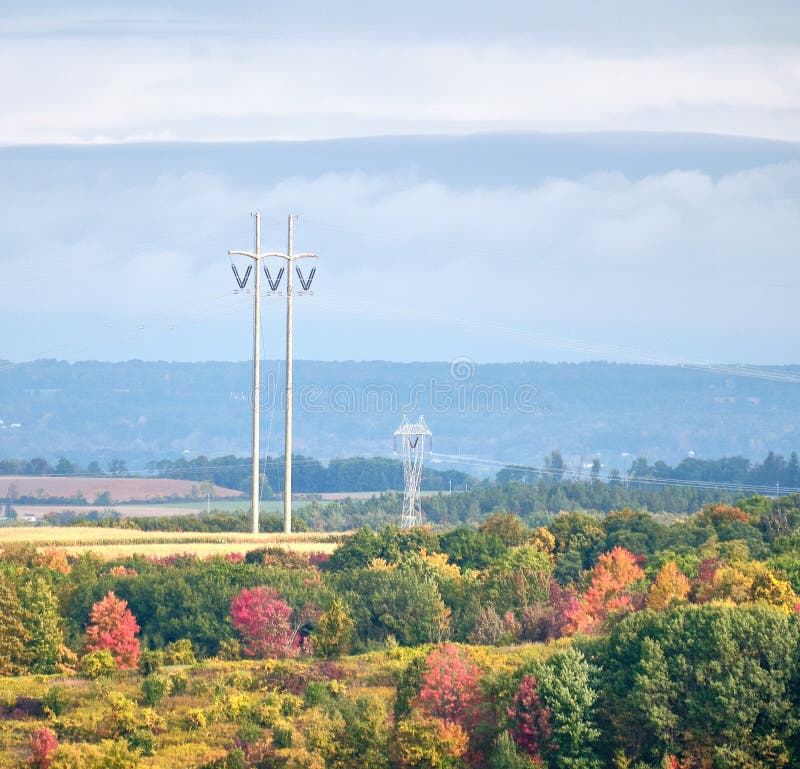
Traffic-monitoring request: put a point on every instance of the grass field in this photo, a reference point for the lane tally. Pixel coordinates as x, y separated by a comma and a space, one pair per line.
113, 543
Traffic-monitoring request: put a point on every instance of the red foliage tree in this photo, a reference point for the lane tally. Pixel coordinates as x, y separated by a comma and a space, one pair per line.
449, 687
262, 618
607, 593
43, 743
113, 627
531, 729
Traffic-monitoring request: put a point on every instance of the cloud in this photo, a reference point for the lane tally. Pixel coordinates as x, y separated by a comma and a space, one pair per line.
94, 89
680, 264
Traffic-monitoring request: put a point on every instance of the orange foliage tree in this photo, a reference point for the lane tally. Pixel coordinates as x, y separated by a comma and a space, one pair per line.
608, 594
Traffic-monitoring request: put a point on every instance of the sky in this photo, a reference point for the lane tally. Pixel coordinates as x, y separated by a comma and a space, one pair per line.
522, 181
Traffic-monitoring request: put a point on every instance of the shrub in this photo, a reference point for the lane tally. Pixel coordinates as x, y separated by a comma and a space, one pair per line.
150, 662
195, 719
154, 688
317, 693
178, 682
142, 740
97, 663
43, 744
56, 700
180, 652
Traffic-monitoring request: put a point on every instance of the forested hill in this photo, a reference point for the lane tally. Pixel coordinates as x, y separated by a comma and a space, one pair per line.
513, 413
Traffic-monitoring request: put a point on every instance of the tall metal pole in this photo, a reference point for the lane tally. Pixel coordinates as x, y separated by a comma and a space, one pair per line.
287, 473
255, 499
256, 256
290, 258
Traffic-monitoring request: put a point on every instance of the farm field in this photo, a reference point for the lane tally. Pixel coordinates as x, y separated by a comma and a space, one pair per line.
117, 543
118, 489
126, 511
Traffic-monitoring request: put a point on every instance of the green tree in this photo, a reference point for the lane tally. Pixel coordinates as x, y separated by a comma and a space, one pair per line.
401, 601
13, 633
699, 677
42, 623
505, 755
564, 686
363, 741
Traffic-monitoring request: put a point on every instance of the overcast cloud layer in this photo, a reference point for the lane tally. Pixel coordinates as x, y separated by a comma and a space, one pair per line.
149, 71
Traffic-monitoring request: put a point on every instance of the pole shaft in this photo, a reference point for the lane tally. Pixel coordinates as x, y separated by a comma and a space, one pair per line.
256, 378
287, 473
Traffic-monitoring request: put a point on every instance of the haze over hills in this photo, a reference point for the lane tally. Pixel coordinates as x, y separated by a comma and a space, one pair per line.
511, 413
500, 247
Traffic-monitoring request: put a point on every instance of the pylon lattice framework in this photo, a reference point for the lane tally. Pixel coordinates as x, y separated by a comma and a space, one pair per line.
412, 438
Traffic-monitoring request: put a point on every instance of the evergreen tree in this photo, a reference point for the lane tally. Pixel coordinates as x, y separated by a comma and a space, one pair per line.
565, 688
42, 622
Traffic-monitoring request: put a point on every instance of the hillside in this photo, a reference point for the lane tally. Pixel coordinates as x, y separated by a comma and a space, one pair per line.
514, 412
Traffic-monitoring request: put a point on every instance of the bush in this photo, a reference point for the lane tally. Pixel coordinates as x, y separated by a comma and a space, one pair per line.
195, 719
43, 744
178, 682
98, 663
180, 652
317, 693
230, 649
56, 700
142, 740
150, 662
154, 688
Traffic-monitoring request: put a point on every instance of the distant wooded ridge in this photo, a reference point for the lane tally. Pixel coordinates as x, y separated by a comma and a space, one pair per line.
365, 474
509, 413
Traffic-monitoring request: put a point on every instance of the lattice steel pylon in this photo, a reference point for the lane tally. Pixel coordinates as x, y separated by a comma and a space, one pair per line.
412, 438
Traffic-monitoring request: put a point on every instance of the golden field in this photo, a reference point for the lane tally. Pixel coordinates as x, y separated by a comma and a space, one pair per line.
113, 543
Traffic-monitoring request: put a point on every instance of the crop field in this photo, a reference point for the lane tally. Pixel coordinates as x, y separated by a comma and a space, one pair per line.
119, 489
114, 543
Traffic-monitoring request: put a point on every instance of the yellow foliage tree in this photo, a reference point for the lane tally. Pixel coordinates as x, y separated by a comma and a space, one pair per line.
670, 585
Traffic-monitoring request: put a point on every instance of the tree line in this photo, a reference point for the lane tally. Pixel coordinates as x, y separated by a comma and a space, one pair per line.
671, 645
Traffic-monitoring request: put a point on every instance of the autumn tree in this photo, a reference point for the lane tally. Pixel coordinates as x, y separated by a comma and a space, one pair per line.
530, 720
263, 619
669, 585
608, 593
13, 634
508, 527
335, 629
449, 686
422, 742
113, 627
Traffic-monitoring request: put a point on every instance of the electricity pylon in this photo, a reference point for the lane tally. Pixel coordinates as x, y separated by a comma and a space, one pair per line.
412, 438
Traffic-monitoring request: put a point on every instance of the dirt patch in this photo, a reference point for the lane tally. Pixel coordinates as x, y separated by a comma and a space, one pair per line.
118, 489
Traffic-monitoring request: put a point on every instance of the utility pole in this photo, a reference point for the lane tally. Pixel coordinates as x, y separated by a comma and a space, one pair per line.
256, 256
290, 257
